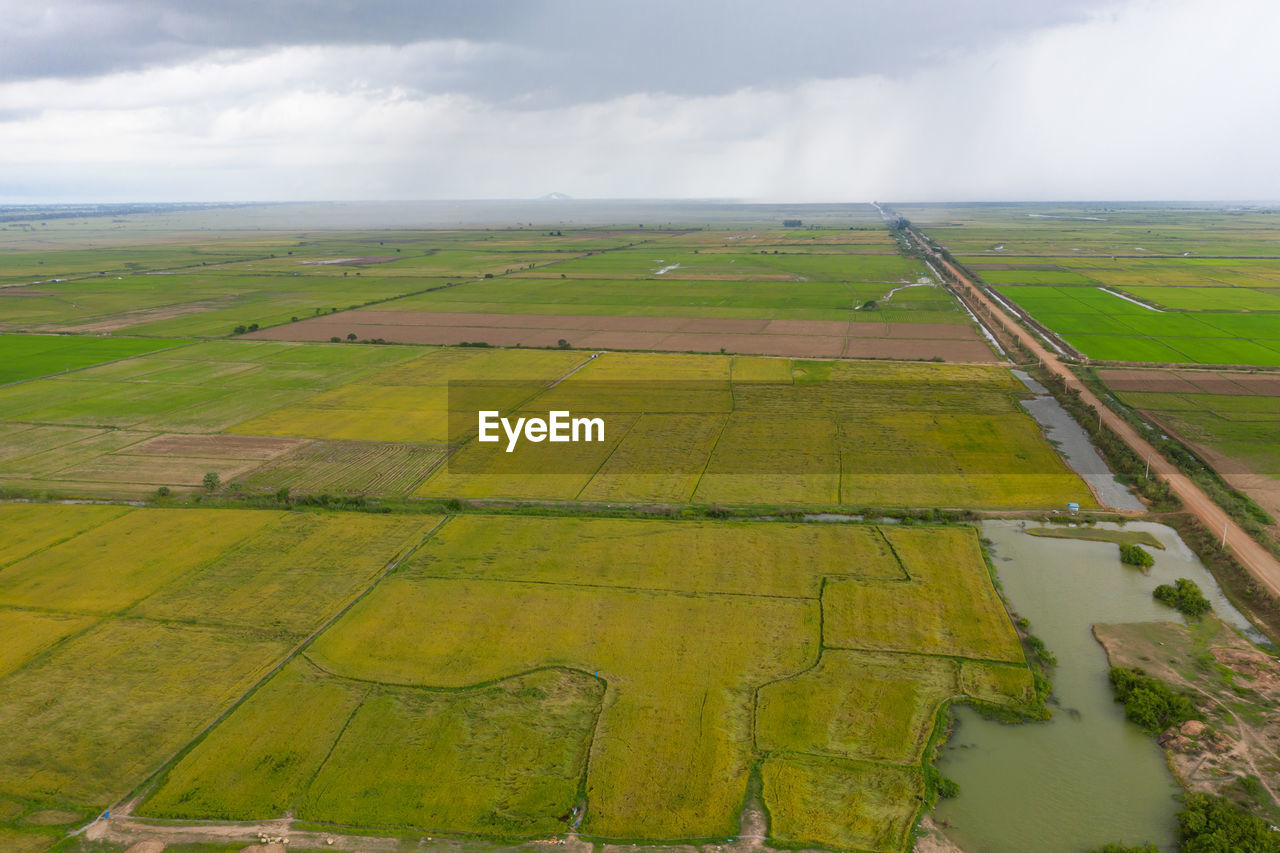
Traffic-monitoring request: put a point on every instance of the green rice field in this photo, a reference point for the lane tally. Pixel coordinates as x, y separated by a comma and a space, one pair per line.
1138, 283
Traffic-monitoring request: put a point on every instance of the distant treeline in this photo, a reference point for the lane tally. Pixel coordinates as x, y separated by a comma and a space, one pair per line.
38, 212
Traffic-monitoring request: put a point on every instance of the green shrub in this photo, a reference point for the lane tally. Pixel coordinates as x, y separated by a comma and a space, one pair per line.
1213, 825
1149, 702
1136, 555
1184, 596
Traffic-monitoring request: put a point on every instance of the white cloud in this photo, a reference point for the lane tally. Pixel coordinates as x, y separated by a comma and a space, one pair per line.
1150, 100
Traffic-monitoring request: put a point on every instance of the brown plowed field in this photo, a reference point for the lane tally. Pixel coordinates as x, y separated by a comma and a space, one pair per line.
1193, 381
217, 446
797, 338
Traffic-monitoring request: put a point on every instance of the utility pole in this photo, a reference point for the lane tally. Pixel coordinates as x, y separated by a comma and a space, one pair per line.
1146, 473
1223, 546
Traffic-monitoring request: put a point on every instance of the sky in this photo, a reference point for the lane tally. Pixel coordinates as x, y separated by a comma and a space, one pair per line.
821, 101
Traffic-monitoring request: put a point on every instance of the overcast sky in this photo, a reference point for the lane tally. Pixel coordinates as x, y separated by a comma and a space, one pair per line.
168, 100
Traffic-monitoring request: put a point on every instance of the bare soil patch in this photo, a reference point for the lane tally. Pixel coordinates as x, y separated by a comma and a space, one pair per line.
934, 331
932, 839
828, 328
146, 847
796, 338
1146, 380
217, 446
1213, 383
1264, 384
622, 340
726, 326
1241, 708
802, 346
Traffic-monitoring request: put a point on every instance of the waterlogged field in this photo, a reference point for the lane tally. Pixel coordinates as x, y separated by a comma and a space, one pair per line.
517, 675
124, 632
390, 420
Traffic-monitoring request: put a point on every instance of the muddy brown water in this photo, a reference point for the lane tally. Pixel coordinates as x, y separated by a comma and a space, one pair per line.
1088, 777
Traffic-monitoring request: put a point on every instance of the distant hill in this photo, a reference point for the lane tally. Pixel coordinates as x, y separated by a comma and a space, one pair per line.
555, 197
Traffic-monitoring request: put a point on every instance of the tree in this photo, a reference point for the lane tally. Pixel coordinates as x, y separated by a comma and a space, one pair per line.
1184, 596
335, 339
1150, 702
351, 336
212, 481
1212, 824
240, 330
562, 343
1136, 555
282, 495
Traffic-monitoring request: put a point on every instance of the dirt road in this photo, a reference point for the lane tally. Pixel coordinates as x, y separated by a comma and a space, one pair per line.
1255, 558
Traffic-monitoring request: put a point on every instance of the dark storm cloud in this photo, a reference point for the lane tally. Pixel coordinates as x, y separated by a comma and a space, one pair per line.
542, 51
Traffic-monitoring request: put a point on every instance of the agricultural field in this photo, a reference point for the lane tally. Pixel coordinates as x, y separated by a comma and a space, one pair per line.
348, 419
1141, 284
581, 667
29, 356
821, 433
1231, 419
132, 426
258, 279
1105, 326
127, 631
1096, 230
812, 293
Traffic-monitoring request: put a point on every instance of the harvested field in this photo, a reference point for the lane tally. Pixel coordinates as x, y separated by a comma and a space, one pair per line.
349, 467
801, 338
1192, 381
217, 446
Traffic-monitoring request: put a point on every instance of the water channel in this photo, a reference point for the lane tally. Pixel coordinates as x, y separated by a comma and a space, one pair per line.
1087, 777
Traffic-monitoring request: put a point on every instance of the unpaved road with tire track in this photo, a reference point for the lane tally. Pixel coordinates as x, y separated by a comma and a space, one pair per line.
1252, 555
